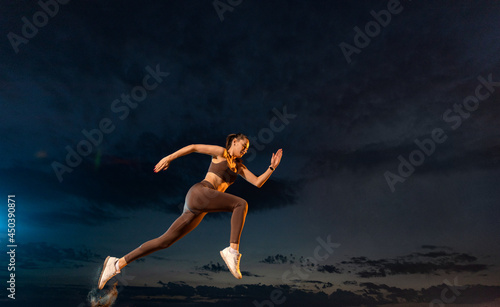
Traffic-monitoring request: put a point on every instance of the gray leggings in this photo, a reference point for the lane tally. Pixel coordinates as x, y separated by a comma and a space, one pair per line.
200, 199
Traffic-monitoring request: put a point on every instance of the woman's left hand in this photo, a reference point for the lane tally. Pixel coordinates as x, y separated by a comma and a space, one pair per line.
276, 158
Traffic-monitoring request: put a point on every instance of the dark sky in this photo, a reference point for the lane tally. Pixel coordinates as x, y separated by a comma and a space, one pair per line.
386, 112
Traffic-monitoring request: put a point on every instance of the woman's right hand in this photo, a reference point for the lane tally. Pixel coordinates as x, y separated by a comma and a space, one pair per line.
163, 164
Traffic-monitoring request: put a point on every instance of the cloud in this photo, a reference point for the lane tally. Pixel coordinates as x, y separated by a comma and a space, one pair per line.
217, 268
391, 294
214, 268
416, 263
329, 269
290, 259
278, 259
302, 262
43, 255
372, 294
180, 293
433, 247
318, 285
460, 294
167, 190
122, 185
348, 116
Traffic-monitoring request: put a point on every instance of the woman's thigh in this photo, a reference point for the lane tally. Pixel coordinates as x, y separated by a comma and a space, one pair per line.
203, 199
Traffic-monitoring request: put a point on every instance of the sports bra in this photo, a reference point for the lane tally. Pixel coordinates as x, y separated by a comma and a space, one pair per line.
223, 171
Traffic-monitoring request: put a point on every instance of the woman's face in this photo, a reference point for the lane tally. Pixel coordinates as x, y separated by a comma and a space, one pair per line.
240, 147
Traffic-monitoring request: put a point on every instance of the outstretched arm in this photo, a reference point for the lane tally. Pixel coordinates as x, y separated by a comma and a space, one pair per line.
259, 181
211, 150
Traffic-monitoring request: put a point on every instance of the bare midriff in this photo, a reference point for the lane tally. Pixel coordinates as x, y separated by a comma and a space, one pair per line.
219, 184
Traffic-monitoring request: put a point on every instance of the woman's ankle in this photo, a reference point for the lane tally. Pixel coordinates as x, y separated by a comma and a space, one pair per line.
122, 263
234, 246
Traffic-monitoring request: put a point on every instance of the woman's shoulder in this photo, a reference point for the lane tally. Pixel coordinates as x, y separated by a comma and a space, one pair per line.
221, 158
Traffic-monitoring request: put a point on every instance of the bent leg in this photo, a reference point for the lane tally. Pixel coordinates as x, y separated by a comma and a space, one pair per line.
208, 200
179, 228
240, 210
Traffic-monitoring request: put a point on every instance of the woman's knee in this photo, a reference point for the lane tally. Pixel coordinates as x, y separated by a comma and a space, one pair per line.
164, 245
243, 204
160, 243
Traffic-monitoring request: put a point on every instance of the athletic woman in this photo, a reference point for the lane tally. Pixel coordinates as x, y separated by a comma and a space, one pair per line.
203, 197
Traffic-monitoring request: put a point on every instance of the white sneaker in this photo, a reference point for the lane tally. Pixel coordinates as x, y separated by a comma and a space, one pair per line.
108, 271
232, 261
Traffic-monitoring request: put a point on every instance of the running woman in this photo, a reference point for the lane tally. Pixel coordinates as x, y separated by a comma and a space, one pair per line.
204, 197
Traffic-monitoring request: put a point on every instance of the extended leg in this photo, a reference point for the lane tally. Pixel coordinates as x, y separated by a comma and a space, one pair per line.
181, 227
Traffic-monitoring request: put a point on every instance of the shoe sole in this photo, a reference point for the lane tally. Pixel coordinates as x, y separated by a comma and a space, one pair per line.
102, 272
228, 266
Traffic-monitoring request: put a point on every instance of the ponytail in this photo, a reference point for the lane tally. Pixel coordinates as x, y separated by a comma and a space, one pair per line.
229, 140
